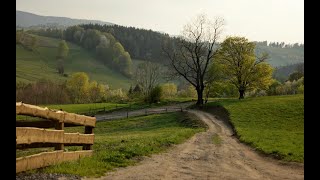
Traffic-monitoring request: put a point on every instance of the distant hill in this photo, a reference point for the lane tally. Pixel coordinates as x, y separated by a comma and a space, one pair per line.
26, 19
282, 73
41, 63
282, 56
146, 44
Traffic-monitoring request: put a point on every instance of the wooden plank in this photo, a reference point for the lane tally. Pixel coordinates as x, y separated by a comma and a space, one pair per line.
88, 130
48, 158
80, 119
56, 115
73, 138
37, 160
29, 135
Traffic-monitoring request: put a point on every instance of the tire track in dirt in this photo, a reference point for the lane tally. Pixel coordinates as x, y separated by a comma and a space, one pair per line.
200, 158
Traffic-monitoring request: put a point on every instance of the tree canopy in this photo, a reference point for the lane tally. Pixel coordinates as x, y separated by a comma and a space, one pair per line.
242, 67
63, 49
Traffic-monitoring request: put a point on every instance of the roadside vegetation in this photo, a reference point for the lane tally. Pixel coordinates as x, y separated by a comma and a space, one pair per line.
273, 124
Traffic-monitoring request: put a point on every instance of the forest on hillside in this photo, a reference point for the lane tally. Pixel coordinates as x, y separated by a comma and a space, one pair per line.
146, 44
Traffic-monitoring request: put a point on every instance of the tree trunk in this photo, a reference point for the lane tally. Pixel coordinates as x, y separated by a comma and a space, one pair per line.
200, 96
241, 92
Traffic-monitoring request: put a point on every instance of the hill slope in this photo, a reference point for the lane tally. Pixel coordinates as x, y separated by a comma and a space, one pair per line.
25, 19
35, 65
282, 73
272, 124
282, 56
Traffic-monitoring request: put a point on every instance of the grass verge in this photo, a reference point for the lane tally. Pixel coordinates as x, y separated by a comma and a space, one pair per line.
272, 124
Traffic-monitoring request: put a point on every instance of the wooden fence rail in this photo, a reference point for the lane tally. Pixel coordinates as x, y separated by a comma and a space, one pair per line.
33, 135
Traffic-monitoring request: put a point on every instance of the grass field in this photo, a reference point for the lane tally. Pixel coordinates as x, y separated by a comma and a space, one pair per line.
271, 124
119, 143
78, 108
41, 63
93, 108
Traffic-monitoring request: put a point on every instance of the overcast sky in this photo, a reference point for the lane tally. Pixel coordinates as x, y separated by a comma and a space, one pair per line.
258, 20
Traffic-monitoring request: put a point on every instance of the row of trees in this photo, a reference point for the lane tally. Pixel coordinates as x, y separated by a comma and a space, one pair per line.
280, 44
201, 61
26, 40
102, 44
77, 89
141, 43
284, 72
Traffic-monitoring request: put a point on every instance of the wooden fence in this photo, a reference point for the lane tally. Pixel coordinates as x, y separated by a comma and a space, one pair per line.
31, 134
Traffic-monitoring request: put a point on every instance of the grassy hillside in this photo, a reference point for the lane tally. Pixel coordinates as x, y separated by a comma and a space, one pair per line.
34, 65
282, 56
272, 124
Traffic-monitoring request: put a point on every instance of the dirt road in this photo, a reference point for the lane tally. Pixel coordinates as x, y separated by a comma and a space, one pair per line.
201, 158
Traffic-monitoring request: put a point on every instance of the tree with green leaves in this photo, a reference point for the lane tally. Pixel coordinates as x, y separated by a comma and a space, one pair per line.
214, 78
242, 67
125, 64
34, 42
78, 86
295, 76
96, 91
63, 49
169, 90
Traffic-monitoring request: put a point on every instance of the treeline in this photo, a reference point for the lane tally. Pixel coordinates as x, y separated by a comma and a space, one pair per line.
26, 40
280, 44
77, 89
103, 44
282, 73
141, 43
146, 44
48, 32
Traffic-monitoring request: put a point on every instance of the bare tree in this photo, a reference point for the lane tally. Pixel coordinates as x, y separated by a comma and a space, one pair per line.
147, 75
194, 51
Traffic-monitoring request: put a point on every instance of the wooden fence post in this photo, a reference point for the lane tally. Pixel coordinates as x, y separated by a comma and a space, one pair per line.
87, 130
59, 126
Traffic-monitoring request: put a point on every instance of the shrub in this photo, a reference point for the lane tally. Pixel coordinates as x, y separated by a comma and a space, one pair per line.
116, 95
169, 90
155, 95
190, 91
